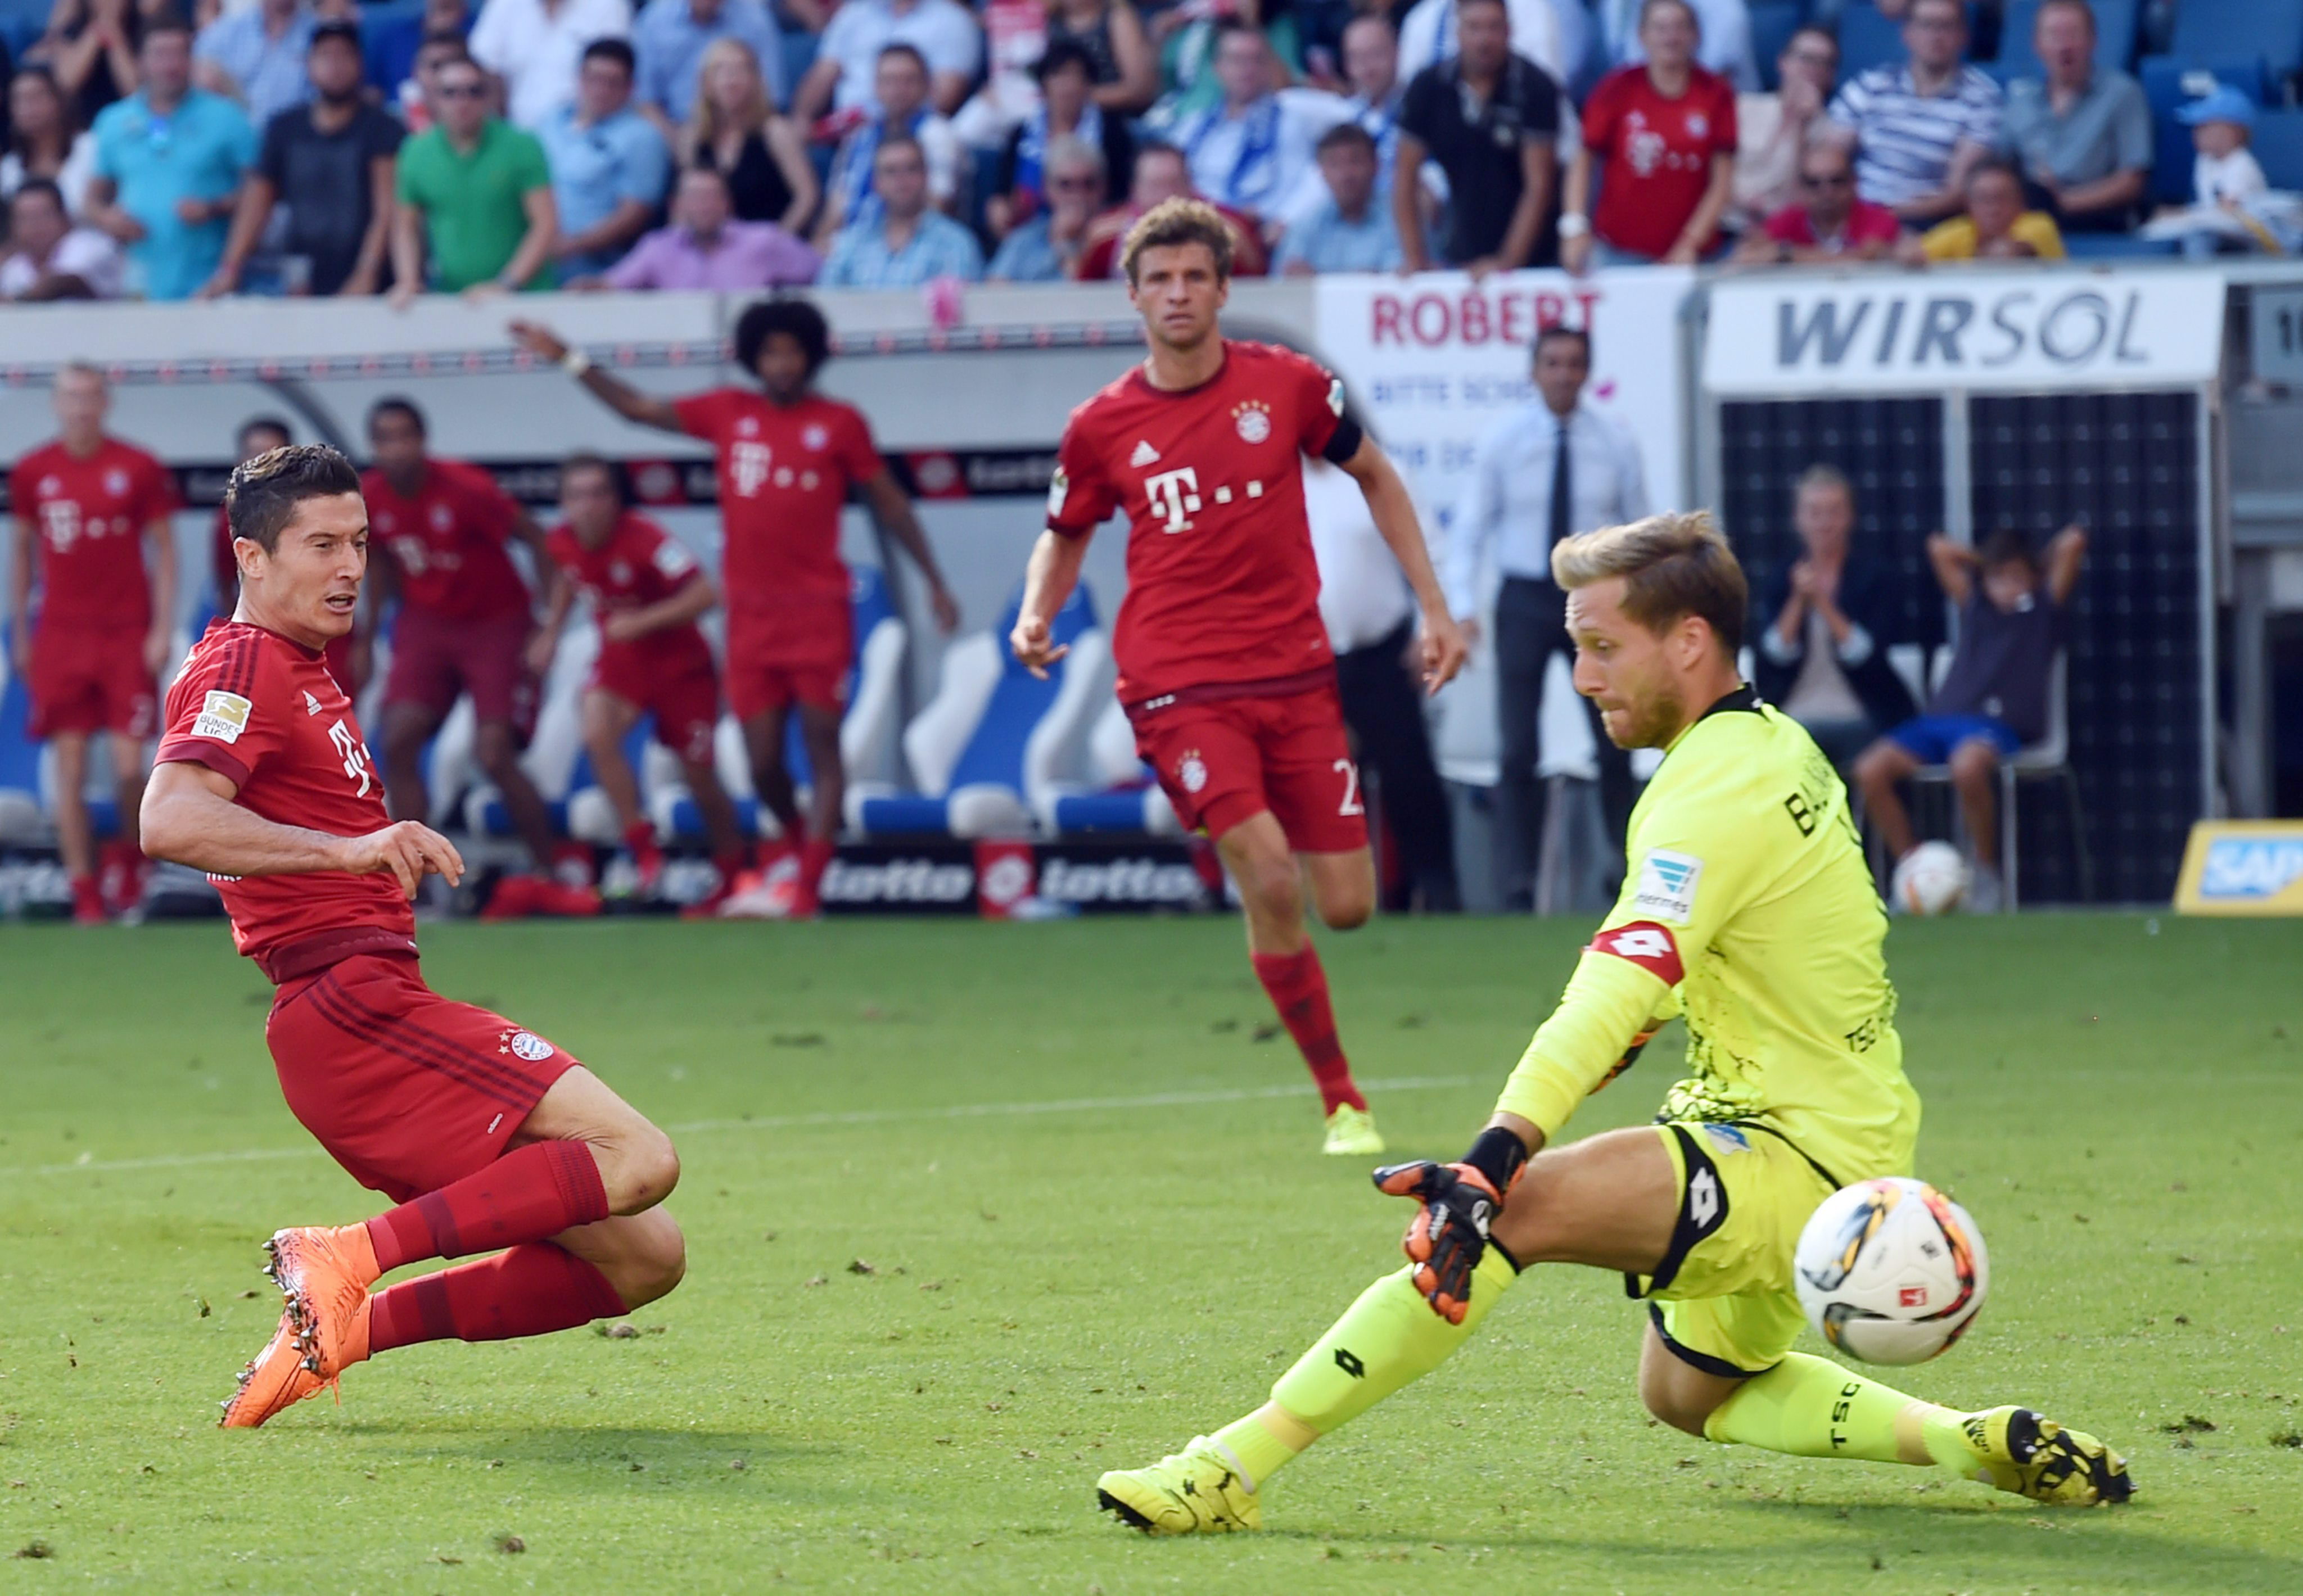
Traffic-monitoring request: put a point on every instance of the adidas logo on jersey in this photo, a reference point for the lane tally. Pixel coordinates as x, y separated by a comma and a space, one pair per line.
311, 705
1144, 455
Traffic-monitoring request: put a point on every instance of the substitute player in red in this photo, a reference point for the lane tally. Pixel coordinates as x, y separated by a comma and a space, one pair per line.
1225, 667
92, 526
485, 1135
789, 459
466, 617
647, 592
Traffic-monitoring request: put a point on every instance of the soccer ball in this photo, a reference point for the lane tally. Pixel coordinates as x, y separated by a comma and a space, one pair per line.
1931, 879
1890, 1270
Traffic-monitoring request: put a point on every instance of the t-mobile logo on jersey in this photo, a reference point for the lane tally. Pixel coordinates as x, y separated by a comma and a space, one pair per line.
1173, 496
749, 464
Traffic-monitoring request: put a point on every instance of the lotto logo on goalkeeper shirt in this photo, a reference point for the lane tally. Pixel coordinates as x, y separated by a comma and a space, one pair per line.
1667, 883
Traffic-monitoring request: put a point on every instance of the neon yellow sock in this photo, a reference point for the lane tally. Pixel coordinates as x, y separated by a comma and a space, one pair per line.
1388, 1338
1811, 1407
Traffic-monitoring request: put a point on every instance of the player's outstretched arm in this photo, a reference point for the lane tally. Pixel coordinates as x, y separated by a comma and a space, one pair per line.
643, 410
893, 509
188, 817
1049, 579
1394, 510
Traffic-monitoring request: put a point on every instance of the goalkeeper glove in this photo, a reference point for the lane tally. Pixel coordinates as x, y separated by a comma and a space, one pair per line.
1449, 1236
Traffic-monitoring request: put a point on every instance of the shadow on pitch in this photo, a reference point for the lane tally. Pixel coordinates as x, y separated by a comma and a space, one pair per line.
627, 1454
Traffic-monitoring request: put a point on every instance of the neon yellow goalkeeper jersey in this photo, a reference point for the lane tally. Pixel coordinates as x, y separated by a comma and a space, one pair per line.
1748, 909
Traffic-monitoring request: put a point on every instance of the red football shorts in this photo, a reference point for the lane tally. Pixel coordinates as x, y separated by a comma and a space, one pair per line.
686, 705
90, 679
435, 660
406, 1090
801, 656
1223, 762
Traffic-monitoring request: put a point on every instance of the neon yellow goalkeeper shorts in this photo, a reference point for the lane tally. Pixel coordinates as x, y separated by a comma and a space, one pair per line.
1721, 1297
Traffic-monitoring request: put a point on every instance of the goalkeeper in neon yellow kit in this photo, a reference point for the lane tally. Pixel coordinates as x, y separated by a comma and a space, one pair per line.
1746, 909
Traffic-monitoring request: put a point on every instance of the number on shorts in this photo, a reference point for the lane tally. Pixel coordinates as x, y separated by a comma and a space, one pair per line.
1351, 804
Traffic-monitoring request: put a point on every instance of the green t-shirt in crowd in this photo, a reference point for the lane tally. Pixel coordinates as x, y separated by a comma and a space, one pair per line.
473, 218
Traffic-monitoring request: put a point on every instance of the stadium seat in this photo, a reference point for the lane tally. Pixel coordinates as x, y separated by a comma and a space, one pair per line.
23, 823
1127, 796
2117, 245
1773, 23
2114, 47
2208, 30
2169, 83
993, 733
2048, 760
2278, 146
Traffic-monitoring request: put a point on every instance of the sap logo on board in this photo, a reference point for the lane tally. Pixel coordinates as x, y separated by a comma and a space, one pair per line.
2250, 867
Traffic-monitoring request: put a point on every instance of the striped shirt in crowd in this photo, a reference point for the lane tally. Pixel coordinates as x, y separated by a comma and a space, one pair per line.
1906, 137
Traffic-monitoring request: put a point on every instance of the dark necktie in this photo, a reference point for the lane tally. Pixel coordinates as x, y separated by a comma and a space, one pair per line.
1563, 489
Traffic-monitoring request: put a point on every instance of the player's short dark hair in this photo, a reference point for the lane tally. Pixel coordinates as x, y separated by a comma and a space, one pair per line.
446, 36
264, 423
1342, 134
1556, 332
911, 51
615, 50
1993, 164
1177, 221
586, 460
339, 30
261, 497
1231, 27
1673, 565
1063, 53
2006, 546
793, 317
397, 404
1464, 4
167, 20
42, 185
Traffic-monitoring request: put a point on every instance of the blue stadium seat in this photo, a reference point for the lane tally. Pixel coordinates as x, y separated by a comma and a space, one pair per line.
2169, 83
1129, 799
2279, 146
2208, 30
799, 55
2116, 246
2114, 46
21, 821
1773, 23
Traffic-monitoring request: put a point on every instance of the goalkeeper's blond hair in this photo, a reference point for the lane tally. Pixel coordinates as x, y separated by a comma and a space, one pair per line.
1673, 565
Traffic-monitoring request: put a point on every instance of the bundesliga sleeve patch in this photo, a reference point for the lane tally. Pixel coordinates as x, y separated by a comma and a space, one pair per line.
1667, 885
1059, 489
222, 716
1336, 394
1646, 944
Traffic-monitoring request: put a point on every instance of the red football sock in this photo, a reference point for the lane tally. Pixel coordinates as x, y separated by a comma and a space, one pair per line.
639, 837
537, 1191
1299, 991
815, 859
531, 1290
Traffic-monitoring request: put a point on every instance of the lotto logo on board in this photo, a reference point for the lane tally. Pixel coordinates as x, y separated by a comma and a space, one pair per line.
1006, 875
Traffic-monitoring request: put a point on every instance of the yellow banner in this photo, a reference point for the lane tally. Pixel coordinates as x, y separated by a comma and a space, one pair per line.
2242, 867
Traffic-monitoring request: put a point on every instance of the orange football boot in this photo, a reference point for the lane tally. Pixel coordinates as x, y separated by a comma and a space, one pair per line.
324, 1272
276, 1379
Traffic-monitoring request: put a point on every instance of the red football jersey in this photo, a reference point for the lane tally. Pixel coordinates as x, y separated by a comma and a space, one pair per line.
784, 476
447, 543
639, 564
1222, 587
1655, 154
90, 516
264, 713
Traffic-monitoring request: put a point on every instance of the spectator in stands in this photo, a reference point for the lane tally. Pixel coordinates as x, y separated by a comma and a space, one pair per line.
2082, 134
1015, 37
1047, 246
1722, 46
392, 42
610, 168
705, 248
535, 47
845, 75
417, 95
169, 162
1993, 702
905, 243
1352, 229
1550, 470
1825, 627
91, 46
42, 140
736, 130
1066, 110
901, 99
1371, 69
1995, 227
671, 38
1489, 118
1370, 616
335, 164
1161, 173
1660, 136
1773, 129
1539, 32
474, 196
1112, 33
1251, 149
2226, 179
1920, 126
255, 55
1829, 223
50, 258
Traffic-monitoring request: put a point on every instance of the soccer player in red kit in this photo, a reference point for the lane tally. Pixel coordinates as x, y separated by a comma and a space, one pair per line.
647, 592
486, 1136
788, 460
348, 657
92, 524
1225, 668
466, 617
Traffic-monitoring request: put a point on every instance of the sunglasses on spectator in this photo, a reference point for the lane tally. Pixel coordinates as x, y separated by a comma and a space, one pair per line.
1083, 181
1836, 180
462, 91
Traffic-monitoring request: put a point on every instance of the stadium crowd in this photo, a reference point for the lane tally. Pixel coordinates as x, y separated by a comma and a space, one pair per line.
287, 147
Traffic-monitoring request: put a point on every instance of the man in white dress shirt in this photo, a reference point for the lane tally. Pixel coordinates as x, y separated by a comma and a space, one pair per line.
537, 47
1527, 493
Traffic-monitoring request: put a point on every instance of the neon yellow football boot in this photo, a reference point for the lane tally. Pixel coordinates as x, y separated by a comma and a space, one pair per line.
1197, 1492
2016, 1450
1352, 1134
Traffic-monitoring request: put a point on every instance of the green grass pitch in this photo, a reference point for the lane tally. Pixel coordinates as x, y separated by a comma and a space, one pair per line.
978, 1212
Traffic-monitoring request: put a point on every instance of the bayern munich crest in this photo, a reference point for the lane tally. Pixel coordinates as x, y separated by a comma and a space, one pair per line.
1192, 771
528, 1045
1253, 420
